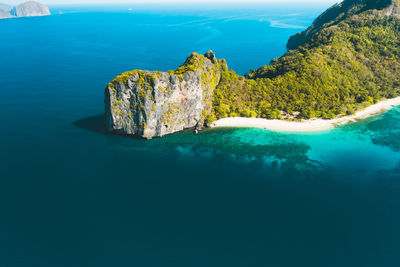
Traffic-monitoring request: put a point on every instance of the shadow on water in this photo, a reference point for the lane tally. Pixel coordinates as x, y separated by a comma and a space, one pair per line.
93, 123
96, 124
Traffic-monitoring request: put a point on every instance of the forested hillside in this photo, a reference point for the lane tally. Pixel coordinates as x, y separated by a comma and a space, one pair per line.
348, 59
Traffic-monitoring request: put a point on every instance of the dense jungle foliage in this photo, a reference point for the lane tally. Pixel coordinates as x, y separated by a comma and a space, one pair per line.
342, 68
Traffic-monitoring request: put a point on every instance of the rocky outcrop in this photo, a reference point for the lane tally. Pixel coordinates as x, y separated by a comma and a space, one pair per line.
153, 104
30, 9
27, 9
340, 12
394, 8
348, 59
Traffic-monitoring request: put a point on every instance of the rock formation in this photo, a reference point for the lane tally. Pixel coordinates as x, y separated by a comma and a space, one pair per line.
30, 9
153, 104
27, 9
347, 60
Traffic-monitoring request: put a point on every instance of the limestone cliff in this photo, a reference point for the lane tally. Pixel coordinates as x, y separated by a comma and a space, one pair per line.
27, 9
347, 60
153, 104
30, 9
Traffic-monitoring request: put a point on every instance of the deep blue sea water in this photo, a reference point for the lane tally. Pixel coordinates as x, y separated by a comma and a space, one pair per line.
71, 195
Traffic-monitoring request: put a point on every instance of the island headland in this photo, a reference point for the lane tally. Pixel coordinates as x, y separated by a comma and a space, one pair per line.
346, 61
307, 126
27, 9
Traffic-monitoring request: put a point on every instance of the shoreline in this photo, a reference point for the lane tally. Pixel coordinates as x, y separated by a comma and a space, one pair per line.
306, 126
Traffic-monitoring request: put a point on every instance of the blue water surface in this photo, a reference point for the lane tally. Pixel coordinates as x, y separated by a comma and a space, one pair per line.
72, 195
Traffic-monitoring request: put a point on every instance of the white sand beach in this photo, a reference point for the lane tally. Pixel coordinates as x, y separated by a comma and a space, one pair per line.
304, 126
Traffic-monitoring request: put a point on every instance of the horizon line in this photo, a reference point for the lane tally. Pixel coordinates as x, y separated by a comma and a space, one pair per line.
208, 2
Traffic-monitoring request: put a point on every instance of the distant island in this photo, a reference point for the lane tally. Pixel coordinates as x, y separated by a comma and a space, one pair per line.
346, 61
27, 9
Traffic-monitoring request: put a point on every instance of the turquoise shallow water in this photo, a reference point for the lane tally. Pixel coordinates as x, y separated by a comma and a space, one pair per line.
364, 149
71, 195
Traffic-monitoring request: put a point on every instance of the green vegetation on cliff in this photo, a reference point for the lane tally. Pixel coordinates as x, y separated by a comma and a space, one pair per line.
347, 60
345, 66
152, 103
337, 13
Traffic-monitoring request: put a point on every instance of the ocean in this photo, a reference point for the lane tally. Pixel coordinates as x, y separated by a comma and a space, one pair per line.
73, 195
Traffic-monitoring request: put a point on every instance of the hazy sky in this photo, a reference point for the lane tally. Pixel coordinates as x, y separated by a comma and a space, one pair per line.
55, 2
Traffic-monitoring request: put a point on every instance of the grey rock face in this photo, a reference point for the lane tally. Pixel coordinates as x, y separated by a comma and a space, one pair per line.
153, 104
394, 8
30, 9
27, 9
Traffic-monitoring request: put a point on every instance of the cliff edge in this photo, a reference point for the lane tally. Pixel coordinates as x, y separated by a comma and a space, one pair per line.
347, 60
153, 104
27, 9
